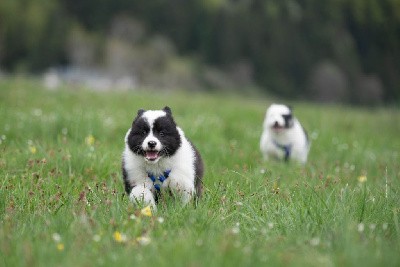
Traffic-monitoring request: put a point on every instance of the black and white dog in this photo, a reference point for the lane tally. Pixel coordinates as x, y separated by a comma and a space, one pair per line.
158, 156
283, 136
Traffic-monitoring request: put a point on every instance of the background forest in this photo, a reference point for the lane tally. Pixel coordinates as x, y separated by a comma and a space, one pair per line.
330, 51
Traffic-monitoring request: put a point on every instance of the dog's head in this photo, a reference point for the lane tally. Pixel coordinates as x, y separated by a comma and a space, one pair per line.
278, 118
154, 135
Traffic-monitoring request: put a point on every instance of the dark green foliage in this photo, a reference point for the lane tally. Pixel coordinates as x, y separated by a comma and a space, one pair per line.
284, 40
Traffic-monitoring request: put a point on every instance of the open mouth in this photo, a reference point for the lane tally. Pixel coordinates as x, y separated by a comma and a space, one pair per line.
277, 127
151, 155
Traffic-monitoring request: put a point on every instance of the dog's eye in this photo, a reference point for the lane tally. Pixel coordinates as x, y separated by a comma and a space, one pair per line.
144, 132
161, 133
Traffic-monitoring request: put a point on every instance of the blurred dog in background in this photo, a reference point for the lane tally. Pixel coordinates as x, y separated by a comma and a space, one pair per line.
283, 136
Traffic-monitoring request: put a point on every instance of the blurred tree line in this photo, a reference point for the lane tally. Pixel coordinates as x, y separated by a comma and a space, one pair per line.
333, 50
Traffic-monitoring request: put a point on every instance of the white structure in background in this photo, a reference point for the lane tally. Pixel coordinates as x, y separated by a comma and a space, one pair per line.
91, 79
51, 80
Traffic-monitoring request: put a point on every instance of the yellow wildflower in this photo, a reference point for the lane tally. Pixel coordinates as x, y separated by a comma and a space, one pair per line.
60, 246
119, 237
33, 149
89, 140
362, 179
275, 187
146, 211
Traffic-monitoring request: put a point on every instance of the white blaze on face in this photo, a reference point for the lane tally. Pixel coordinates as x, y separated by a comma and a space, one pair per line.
151, 145
151, 142
152, 115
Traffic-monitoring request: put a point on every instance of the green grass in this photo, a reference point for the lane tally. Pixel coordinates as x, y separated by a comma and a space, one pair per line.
252, 213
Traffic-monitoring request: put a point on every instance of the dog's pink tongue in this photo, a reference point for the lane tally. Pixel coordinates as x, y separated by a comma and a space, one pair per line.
151, 155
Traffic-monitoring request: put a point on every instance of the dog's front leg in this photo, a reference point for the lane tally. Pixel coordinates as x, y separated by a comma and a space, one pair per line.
142, 195
182, 187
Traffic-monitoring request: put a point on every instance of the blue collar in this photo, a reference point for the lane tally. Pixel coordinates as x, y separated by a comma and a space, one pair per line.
287, 149
158, 181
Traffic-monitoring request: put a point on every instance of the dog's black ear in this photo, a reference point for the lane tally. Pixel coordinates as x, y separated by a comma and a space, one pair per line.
167, 110
139, 113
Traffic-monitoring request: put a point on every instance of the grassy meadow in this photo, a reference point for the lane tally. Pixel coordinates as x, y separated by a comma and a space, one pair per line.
62, 200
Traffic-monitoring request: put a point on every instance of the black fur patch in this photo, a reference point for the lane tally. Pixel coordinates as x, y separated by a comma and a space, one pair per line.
167, 110
199, 172
140, 129
128, 186
164, 129
288, 120
306, 134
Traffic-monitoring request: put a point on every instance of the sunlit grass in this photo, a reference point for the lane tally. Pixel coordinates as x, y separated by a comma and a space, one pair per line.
62, 199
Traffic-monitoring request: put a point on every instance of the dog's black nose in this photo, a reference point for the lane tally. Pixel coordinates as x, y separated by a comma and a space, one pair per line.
276, 124
152, 144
